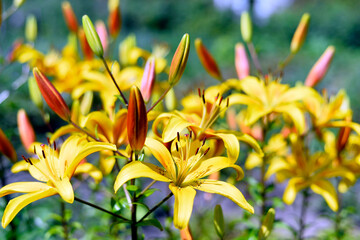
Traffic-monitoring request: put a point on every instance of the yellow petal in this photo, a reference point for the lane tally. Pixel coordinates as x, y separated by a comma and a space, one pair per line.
184, 201
138, 169
63, 131
352, 125
20, 166
294, 186
277, 164
175, 125
225, 189
254, 88
90, 169
253, 160
238, 98
295, 114
162, 154
18, 203
327, 191
65, 189
23, 187
231, 144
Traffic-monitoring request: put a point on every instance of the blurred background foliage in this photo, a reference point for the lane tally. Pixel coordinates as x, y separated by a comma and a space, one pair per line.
333, 22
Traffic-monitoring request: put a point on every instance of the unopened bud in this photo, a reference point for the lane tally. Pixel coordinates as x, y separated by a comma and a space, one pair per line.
114, 20
246, 27
18, 3
86, 103
31, 28
207, 60
267, 225
170, 100
320, 68
241, 61
35, 94
85, 47
92, 37
125, 48
26, 131
137, 124
343, 136
103, 35
300, 34
179, 60
6, 147
51, 95
148, 79
70, 17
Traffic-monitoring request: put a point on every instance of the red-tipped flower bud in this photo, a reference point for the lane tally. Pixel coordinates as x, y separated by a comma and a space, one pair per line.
246, 27
52, 97
85, 47
114, 20
179, 60
6, 147
103, 35
26, 131
320, 68
300, 34
70, 17
241, 61
207, 60
92, 37
148, 79
137, 124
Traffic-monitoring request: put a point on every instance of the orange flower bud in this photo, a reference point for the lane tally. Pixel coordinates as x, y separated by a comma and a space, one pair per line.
51, 95
26, 131
246, 27
179, 60
148, 79
103, 35
114, 20
241, 61
6, 147
85, 47
137, 124
70, 17
320, 68
207, 60
343, 136
300, 34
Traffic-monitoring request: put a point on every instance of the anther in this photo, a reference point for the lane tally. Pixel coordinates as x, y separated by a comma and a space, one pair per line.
24, 158
54, 145
30, 161
34, 149
43, 153
197, 151
199, 92
217, 96
178, 136
207, 150
48, 140
203, 142
227, 102
203, 98
191, 134
220, 100
177, 148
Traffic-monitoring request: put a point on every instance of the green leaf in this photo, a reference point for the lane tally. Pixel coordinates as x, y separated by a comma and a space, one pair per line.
132, 188
149, 192
219, 222
151, 222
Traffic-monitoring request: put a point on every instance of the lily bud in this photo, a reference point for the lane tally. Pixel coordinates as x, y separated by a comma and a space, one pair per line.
207, 60
70, 17
170, 100
51, 95
103, 35
267, 224
179, 60
92, 37
320, 68
148, 79
26, 131
35, 94
137, 124
343, 136
241, 61
246, 27
86, 102
18, 3
219, 222
6, 147
31, 28
114, 20
300, 34
85, 47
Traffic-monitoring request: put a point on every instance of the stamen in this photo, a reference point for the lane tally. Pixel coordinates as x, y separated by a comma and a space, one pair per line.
30, 161
54, 145
190, 134
203, 142
177, 148
48, 140
178, 136
217, 96
34, 149
203, 98
220, 100
43, 153
197, 151
207, 150
199, 92
227, 102
24, 158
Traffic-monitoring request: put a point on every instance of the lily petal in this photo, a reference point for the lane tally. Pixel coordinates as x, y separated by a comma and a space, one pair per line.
20, 166
294, 186
295, 114
138, 169
184, 201
327, 191
23, 187
90, 169
175, 125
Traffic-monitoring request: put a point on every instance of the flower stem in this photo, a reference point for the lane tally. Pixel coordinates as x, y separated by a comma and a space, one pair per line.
147, 187
63, 220
114, 81
161, 98
82, 130
304, 205
254, 57
155, 207
133, 214
100, 208
338, 230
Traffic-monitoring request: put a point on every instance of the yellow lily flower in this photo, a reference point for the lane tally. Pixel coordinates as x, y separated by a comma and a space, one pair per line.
54, 170
184, 168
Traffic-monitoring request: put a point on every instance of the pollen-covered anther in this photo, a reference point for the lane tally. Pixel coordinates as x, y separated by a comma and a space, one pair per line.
178, 136
177, 147
54, 145
206, 151
43, 153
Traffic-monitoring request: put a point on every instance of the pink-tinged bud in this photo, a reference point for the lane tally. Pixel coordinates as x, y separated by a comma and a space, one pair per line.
6, 147
51, 95
85, 47
320, 68
137, 124
207, 60
103, 35
300, 34
148, 79
114, 21
179, 60
70, 17
26, 131
241, 61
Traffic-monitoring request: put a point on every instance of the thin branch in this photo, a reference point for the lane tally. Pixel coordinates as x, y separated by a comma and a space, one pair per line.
155, 207
161, 98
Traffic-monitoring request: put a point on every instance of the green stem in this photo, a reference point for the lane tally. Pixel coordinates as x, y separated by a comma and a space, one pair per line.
82, 130
100, 208
155, 207
338, 230
285, 63
114, 81
147, 187
161, 98
133, 214
254, 57
63, 220
304, 206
